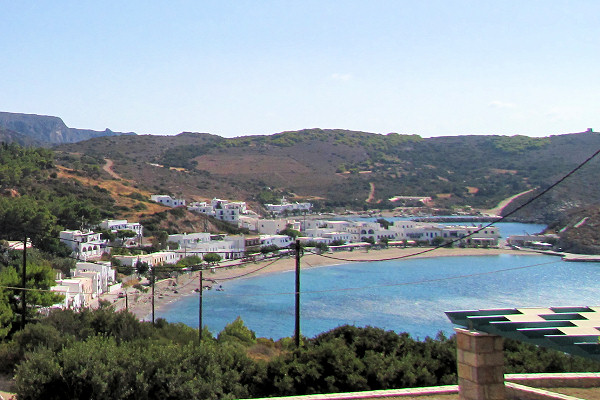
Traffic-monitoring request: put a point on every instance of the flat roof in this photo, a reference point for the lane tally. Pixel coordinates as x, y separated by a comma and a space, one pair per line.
574, 330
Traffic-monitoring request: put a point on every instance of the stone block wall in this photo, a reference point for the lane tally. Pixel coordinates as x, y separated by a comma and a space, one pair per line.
480, 362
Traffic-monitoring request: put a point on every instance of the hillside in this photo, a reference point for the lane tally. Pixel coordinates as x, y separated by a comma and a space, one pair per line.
579, 230
8, 136
338, 168
46, 130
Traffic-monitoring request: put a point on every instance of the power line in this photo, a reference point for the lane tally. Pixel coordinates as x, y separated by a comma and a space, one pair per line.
534, 198
163, 268
251, 272
419, 282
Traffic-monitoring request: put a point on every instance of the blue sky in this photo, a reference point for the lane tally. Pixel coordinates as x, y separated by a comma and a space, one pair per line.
236, 68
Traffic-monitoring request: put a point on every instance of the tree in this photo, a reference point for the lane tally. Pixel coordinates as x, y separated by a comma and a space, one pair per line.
212, 258
189, 261
368, 239
269, 249
141, 267
437, 241
322, 246
384, 223
160, 240
40, 275
107, 235
126, 233
26, 217
237, 332
290, 232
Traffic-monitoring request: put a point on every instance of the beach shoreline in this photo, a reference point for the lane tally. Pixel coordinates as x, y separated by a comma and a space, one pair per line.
173, 289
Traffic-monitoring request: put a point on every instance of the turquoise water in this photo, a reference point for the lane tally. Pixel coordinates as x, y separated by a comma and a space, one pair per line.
405, 296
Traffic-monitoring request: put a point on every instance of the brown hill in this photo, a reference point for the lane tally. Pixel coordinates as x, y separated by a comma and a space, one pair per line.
340, 168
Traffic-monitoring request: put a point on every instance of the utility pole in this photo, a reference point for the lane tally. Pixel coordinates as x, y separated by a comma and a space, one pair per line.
200, 309
297, 325
152, 277
24, 285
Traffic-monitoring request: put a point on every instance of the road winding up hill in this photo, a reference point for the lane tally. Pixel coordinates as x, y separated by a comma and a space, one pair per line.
339, 168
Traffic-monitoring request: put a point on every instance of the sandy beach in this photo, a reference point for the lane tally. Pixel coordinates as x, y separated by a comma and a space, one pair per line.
170, 290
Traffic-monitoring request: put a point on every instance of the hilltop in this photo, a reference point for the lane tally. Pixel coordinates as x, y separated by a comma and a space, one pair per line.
356, 170
44, 130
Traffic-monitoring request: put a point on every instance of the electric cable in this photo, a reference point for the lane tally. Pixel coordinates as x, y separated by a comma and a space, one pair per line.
528, 202
420, 282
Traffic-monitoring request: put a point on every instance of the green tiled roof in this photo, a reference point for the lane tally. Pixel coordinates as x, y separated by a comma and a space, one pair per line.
573, 330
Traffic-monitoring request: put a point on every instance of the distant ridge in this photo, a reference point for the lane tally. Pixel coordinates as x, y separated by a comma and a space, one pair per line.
48, 130
8, 136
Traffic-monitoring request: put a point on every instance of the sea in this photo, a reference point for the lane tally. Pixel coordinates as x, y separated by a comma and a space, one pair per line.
408, 295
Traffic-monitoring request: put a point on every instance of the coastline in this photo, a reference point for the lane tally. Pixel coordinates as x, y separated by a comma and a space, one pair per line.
170, 290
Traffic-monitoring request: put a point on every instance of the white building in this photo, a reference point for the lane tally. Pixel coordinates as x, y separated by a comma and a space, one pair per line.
79, 291
286, 206
224, 210
86, 245
228, 247
152, 259
463, 235
73, 296
115, 225
281, 241
106, 275
248, 222
535, 241
167, 200
189, 240
274, 226
358, 231
424, 200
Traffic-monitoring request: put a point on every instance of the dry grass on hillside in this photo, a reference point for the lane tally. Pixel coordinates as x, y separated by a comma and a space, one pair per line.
119, 190
226, 164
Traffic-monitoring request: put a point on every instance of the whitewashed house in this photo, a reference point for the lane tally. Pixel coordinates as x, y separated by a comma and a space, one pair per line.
167, 200
249, 222
462, 235
272, 226
86, 245
152, 259
228, 247
286, 206
106, 274
115, 225
80, 289
535, 241
281, 241
73, 296
224, 210
189, 240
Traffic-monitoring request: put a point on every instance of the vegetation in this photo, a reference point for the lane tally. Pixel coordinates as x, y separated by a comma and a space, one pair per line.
337, 169
211, 258
318, 245
37, 204
293, 233
54, 359
272, 248
40, 275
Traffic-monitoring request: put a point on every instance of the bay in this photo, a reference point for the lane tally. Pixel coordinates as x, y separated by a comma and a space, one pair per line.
408, 295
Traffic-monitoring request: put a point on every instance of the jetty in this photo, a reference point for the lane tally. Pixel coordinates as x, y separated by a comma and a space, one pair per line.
581, 257
458, 218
